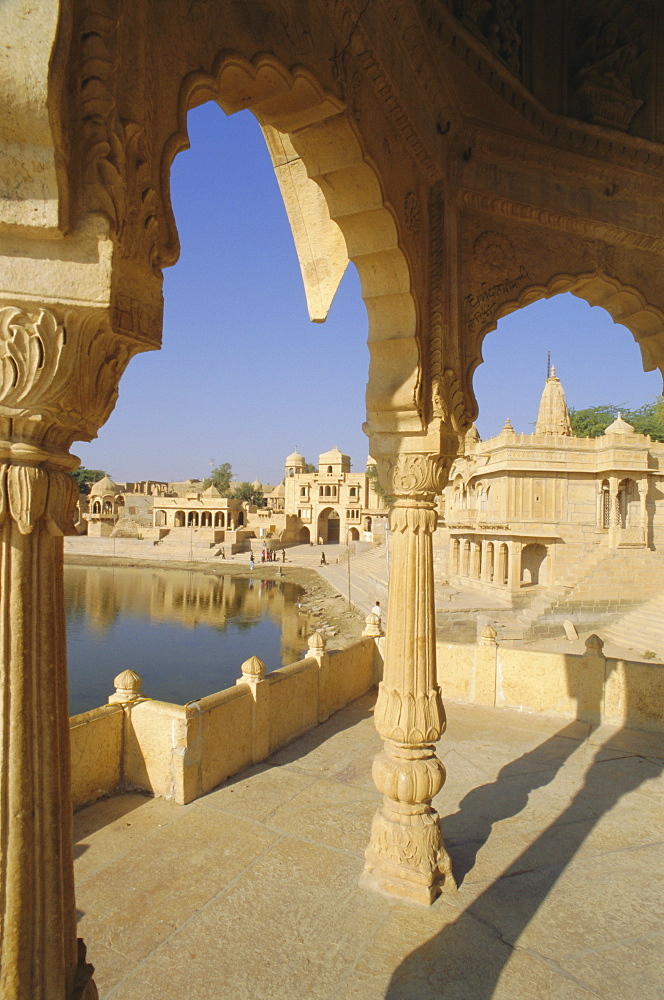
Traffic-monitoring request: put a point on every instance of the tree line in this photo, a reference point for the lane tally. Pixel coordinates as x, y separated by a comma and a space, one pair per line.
593, 421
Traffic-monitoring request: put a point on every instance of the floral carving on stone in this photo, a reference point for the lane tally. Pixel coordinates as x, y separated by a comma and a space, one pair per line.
494, 251
67, 369
30, 350
413, 213
415, 474
115, 158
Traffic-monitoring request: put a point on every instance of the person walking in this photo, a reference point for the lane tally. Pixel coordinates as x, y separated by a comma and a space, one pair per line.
251, 559
377, 610
322, 559
283, 555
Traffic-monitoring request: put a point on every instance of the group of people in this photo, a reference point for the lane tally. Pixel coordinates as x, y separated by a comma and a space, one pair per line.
267, 555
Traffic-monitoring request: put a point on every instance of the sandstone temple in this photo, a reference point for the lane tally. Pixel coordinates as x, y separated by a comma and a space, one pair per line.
469, 158
528, 509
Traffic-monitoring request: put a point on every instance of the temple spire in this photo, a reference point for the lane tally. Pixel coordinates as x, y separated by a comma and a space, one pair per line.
553, 416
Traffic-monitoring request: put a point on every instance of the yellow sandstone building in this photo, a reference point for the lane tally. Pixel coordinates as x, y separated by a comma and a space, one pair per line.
330, 505
524, 509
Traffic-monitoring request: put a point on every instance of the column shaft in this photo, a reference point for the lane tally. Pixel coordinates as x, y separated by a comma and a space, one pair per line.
406, 855
38, 949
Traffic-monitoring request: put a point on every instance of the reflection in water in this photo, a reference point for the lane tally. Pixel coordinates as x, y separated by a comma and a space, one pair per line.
186, 633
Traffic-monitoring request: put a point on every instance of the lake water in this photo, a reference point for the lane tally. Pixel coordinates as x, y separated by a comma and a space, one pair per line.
185, 633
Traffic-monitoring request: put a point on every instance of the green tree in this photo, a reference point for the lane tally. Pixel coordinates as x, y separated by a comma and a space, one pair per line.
592, 421
646, 419
86, 477
245, 491
309, 467
220, 477
374, 482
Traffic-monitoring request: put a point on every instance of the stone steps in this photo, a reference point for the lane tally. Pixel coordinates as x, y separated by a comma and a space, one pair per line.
612, 585
641, 629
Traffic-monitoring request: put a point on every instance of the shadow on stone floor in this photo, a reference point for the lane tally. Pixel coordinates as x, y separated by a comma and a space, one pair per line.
468, 957
468, 830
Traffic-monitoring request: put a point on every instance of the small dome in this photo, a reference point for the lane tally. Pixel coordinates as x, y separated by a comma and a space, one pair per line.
316, 641
256, 485
333, 455
253, 667
472, 435
296, 459
102, 486
620, 426
508, 429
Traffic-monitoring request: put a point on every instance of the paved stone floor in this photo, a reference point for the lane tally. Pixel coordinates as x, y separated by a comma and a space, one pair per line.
251, 892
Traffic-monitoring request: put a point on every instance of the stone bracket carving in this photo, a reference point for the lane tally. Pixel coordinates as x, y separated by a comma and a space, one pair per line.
115, 159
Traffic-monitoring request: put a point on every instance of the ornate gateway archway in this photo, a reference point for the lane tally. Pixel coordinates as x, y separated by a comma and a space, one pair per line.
489, 175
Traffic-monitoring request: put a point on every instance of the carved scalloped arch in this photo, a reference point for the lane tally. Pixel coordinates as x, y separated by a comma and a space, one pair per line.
323, 135
624, 303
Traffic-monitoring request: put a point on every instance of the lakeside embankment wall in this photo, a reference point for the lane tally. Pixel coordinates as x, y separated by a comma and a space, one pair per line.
181, 752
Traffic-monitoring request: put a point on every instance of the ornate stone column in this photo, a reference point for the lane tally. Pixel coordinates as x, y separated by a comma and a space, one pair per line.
58, 382
406, 855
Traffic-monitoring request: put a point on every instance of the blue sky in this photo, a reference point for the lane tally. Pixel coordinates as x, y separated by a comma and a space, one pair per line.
244, 377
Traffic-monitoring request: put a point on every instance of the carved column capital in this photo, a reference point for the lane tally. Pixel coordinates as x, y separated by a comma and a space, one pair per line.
59, 374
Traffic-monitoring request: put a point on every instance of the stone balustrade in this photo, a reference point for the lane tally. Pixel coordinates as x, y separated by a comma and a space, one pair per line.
588, 686
183, 751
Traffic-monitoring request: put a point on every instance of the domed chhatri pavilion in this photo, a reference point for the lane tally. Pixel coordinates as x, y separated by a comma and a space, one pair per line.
105, 502
524, 509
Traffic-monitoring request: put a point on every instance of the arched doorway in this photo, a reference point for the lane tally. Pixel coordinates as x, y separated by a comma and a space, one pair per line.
179, 519
329, 526
354, 535
160, 518
304, 536
533, 569
628, 504
192, 519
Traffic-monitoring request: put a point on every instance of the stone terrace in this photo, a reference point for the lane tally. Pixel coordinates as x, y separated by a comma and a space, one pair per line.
555, 832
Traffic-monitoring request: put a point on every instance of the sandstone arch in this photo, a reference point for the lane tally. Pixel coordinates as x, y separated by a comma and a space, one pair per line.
318, 129
625, 304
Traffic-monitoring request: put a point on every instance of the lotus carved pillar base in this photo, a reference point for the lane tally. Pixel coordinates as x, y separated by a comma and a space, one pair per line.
406, 855
58, 381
